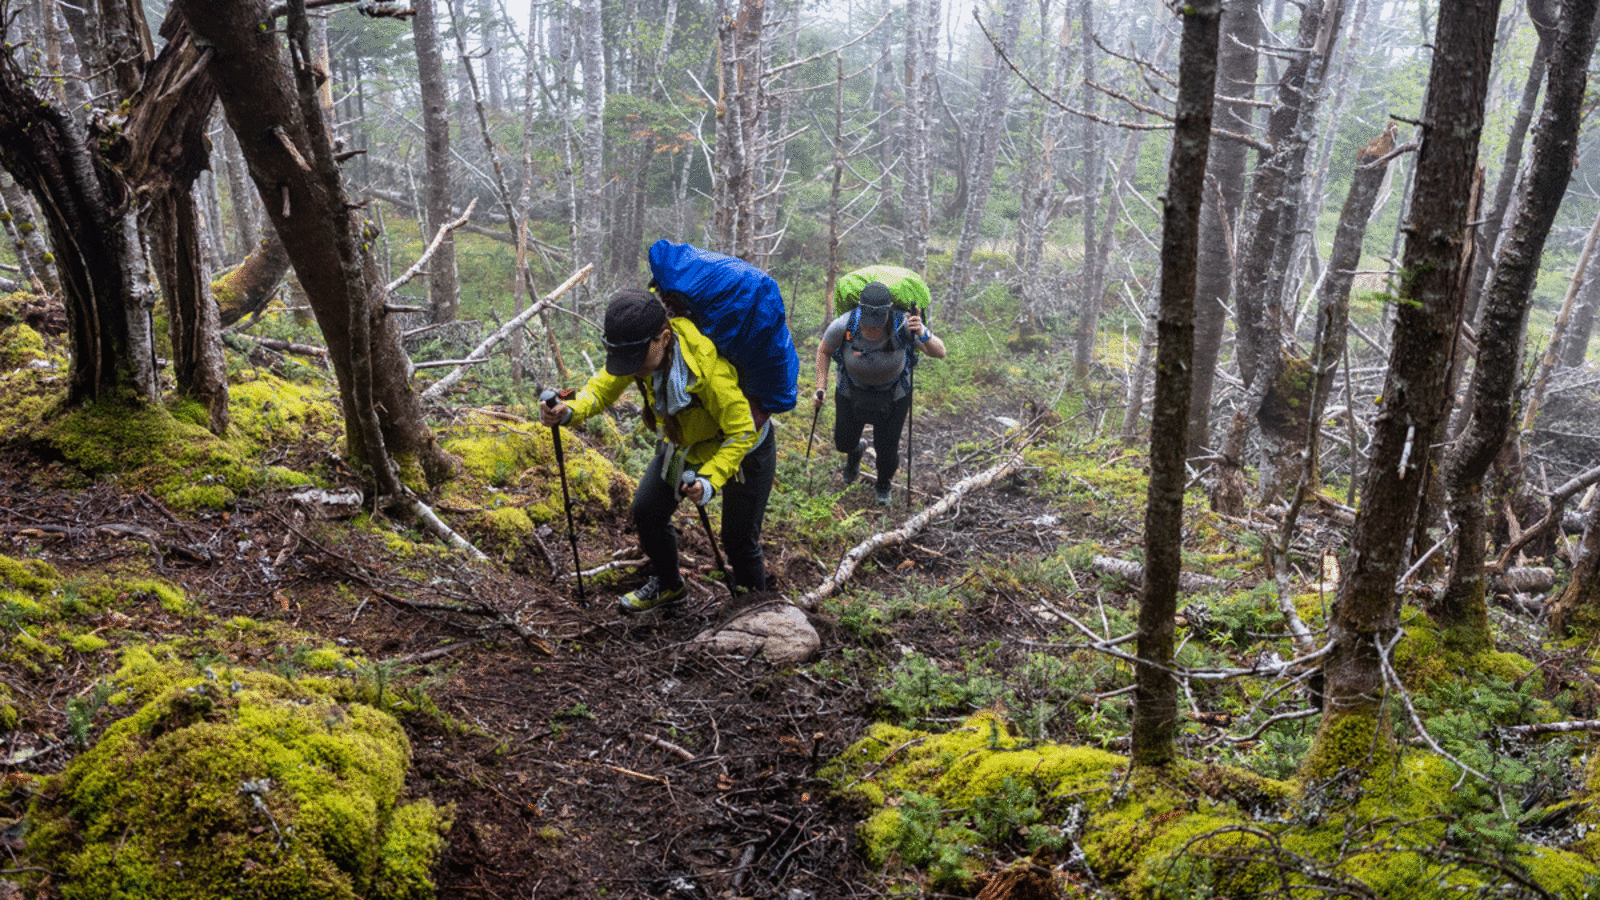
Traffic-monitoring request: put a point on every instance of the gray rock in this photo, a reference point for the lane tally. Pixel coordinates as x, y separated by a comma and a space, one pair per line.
778, 631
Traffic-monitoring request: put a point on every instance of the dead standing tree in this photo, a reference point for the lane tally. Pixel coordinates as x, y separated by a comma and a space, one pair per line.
988, 123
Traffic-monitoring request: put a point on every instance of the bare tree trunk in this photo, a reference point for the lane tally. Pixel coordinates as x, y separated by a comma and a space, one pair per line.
99, 258
741, 55
1463, 607
1273, 207
1155, 704
241, 197
922, 17
494, 80
591, 38
986, 131
291, 162
444, 287
1543, 15
1414, 400
1236, 77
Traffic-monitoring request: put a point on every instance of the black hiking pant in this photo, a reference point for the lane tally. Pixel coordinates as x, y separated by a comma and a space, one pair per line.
887, 417
744, 508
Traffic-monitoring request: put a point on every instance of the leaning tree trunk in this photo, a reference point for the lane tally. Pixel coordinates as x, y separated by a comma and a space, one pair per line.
246, 289
1155, 705
284, 139
1463, 608
1367, 613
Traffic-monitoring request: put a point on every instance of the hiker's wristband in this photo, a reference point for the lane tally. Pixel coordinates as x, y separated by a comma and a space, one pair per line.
924, 336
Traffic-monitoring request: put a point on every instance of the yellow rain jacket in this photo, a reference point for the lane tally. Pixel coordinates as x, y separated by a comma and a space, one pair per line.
717, 428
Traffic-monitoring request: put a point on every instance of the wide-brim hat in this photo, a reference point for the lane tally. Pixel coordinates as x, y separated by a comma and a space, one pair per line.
633, 319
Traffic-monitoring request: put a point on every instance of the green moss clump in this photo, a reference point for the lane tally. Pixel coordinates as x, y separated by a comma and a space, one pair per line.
246, 785
33, 576
87, 643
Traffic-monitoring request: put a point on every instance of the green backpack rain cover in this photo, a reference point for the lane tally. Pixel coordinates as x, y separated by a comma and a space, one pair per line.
909, 291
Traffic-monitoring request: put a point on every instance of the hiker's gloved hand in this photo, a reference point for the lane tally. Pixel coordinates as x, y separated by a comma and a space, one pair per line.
700, 491
819, 398
560, 414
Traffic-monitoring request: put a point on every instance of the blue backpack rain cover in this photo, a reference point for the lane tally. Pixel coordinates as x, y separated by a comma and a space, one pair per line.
740, 308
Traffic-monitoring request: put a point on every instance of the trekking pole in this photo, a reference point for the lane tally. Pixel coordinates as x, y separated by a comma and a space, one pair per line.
689, 477
550, 399
911, 396
815, 413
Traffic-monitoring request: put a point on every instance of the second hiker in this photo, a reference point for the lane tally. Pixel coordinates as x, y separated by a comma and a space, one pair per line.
875, 347
691, 396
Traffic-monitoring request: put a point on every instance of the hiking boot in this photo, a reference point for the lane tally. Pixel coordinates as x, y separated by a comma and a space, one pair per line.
883, 496
852, 463
650, 595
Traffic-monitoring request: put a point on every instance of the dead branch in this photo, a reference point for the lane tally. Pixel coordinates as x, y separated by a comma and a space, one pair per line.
482, 350
438, 240
1573, 726
911, 528
1133, 573
1558, 501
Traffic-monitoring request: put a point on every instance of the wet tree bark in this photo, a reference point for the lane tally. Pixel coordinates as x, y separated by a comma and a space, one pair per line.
1463, 608
283, 136
1414, 395
1155, 706
97, 252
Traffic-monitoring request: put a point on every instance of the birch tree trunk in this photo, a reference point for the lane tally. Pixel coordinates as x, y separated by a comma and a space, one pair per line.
985, 131
33, 255
922, 17
1414, 400
741, 114
1155, 704
1463, 607
590, 239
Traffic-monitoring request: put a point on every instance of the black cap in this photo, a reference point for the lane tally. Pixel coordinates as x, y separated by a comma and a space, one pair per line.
875, 304
633, 320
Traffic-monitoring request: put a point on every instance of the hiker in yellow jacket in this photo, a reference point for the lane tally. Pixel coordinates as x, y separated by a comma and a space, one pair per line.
692, 398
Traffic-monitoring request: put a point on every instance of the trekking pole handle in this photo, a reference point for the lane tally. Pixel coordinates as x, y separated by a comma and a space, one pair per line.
550, 398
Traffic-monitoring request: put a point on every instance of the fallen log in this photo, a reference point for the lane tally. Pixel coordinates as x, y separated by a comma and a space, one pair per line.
908, 530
